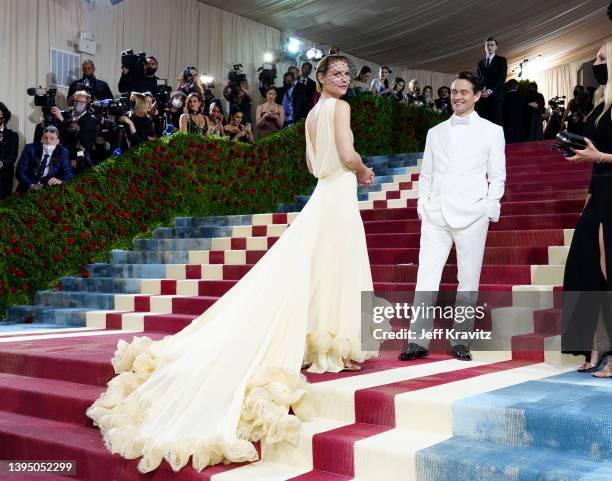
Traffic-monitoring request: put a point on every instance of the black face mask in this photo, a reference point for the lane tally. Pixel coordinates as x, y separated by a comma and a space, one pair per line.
600, 72
150, 71
288, 84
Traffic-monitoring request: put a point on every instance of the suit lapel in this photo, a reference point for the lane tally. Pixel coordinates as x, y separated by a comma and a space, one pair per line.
444, 145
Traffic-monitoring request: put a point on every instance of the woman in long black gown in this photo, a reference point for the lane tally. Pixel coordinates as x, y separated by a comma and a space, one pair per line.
587, 291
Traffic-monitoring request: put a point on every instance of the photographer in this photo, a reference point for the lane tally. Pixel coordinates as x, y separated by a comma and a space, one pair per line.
80, 158
82, 116
236, 91
577, 110
44, 164
137, 73
413, 96
236, 131
96, 88
9, 144
189, 82
442, 103
139, 124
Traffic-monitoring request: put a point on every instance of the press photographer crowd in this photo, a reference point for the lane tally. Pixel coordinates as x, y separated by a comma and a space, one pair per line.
98, 124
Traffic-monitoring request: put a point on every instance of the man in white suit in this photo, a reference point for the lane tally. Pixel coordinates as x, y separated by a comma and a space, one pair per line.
460, 186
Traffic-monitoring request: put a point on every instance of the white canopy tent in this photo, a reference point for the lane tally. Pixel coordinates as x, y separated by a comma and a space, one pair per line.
429, 41
447, 36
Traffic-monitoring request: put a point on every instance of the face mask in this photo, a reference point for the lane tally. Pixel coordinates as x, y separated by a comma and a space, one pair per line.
150, 71
177, 103
600, 72
48, 149
288, 84
79, 107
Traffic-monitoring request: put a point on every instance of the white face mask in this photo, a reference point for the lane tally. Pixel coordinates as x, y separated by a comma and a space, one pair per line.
48, 149
79, 107
177, 103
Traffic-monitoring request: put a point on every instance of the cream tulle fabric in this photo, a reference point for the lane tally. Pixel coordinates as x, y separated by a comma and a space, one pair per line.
229, 378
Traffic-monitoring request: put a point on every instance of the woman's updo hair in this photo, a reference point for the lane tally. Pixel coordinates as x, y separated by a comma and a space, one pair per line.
324, 65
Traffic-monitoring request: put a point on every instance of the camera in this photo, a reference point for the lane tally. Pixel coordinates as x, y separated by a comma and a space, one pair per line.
45, 99
235, 76
556, 102
161, 93
135, 62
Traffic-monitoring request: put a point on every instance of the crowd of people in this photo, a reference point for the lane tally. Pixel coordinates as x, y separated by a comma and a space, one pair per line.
96, 126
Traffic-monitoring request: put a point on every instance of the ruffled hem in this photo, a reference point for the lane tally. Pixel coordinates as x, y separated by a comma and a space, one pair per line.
327, 352
264, 417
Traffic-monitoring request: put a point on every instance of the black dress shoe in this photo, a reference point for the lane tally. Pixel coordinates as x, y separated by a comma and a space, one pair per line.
412, 352
462, 353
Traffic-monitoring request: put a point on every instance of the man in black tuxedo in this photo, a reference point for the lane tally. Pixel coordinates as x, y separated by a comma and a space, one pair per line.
311, 86
96, 88
44, 164
293, 97
492, 69
9, 143
514, 114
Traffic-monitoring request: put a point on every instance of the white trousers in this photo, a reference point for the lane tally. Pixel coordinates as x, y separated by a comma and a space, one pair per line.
436, 243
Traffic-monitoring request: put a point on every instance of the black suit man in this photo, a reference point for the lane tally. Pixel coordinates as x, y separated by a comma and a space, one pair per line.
293, 98
514, 114
493, 70
44, 164
9, 143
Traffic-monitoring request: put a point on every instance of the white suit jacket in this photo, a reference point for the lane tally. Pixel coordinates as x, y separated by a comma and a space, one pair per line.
460, 183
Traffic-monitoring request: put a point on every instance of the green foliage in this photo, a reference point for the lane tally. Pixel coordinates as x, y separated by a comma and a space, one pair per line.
49, 233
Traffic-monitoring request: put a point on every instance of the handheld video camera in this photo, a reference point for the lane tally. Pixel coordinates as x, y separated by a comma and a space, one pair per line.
45, 99
135, 62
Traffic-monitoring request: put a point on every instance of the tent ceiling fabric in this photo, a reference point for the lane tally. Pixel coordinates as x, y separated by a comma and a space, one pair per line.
443, 35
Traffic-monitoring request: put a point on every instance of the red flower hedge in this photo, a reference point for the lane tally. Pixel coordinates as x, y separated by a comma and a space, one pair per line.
56, 231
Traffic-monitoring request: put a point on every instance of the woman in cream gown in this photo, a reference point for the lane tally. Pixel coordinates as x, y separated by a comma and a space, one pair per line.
229, 378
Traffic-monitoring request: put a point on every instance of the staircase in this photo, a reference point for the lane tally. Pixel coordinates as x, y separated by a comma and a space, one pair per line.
514, 414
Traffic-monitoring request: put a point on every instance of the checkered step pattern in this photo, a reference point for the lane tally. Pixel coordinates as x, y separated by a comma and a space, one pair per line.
435, 419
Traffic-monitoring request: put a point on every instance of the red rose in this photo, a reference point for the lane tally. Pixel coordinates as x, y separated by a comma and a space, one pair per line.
7, 251
85, 274
57, 257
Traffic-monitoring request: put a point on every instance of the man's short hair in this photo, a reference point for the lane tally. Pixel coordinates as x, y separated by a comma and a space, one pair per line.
51, 129
491, 39
512, 84
152, 57
87, 62
443, 88
288, 73
82, 93
474, 79
307, 63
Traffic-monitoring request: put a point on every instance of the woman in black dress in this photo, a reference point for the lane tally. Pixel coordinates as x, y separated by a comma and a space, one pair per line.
587, 292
